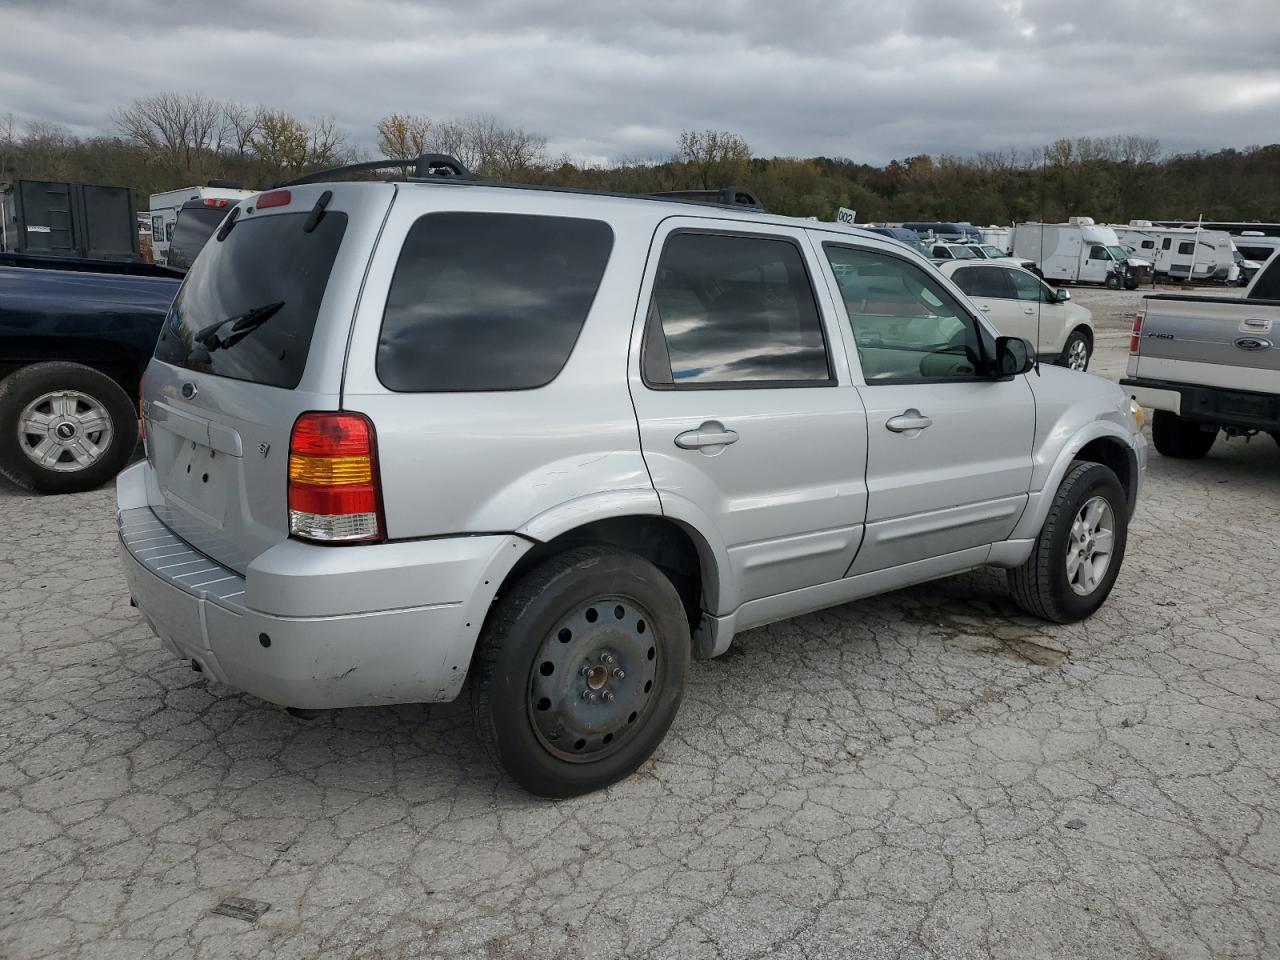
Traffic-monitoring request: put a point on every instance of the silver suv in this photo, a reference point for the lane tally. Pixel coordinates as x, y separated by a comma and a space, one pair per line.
405, 435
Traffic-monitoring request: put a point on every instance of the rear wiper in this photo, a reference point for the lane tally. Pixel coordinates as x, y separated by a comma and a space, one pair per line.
241, 326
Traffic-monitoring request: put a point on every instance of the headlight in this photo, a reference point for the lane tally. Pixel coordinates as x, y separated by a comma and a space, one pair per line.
1135, 408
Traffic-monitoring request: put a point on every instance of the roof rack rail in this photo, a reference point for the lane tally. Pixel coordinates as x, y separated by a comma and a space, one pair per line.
427, 165
723, 196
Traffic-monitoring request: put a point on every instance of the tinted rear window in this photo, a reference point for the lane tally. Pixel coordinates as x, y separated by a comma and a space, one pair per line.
263, 262
191, 231
1267, 284
489, 301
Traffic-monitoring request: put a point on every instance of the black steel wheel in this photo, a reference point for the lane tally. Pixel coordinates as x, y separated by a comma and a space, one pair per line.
580, 670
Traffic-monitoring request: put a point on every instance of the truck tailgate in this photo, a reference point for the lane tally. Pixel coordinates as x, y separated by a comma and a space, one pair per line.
1221, 342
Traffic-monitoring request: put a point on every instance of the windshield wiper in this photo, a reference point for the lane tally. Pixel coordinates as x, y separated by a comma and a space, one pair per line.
241, 326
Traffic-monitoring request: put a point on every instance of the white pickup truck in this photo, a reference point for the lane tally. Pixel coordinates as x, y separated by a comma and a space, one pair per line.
1206, 364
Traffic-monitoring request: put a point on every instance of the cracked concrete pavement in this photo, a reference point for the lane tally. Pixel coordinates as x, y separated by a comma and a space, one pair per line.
923, 775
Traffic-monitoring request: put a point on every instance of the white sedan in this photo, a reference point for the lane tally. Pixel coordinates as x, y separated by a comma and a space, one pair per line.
1020, 304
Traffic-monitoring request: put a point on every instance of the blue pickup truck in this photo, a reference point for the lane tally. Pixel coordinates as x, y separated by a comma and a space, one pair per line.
75, 335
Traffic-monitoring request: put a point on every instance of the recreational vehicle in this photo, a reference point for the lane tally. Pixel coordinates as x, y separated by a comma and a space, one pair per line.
1182, 253
1079, 251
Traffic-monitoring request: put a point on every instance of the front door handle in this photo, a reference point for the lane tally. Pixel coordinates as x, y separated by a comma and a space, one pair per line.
985, 306
1028, 310
710, 434
910, 420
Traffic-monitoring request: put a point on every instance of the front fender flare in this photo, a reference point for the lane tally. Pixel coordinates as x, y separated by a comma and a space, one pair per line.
1040, 501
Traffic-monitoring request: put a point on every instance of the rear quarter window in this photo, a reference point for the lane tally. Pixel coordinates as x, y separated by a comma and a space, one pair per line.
489, 301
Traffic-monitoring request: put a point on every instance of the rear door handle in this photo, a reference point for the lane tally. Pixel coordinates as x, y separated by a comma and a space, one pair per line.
984, 306
710, 434
910, 420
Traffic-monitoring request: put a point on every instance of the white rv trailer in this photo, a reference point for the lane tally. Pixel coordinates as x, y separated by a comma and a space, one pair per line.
165, 206
1182, 252
1079, 251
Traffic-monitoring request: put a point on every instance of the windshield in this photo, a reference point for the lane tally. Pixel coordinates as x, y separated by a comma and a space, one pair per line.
249, 303
993, 253
1118, 253
965, 253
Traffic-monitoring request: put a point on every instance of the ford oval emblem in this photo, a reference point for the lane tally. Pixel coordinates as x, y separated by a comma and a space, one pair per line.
1253, 343
188, 390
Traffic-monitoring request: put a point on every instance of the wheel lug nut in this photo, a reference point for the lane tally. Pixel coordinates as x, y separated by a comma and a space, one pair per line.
607, 696
589, 696
606, 658
618, 673
584, 671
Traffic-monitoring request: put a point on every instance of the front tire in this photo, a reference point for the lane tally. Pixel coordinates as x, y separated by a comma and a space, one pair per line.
1079, 550
1113, 282
580, 671
1179, 438
64, 427
1076, 352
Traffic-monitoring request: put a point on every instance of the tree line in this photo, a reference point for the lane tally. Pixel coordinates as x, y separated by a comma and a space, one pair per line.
171, 140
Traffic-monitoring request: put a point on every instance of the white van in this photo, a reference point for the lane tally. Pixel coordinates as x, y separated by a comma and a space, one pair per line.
165, 206
1182, 252
1079, 251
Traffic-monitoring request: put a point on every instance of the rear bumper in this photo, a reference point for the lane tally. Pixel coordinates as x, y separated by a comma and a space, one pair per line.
1216, 405
312, 626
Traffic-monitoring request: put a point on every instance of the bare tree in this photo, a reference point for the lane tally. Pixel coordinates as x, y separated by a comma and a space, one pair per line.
287, 145
242, 124
181, 129
404, 136
716, 157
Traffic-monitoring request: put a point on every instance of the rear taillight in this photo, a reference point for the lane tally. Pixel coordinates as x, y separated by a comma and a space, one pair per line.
333, 479
1136, 336
218, 203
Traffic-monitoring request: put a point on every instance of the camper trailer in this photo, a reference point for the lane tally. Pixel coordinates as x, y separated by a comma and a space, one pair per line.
1182, 253
219, 194
1079, 251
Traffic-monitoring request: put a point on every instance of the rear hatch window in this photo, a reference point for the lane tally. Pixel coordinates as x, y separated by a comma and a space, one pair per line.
249, 304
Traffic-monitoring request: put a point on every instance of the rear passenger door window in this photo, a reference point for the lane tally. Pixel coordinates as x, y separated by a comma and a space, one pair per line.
489, 301
1028, 287
984, 282
733, 311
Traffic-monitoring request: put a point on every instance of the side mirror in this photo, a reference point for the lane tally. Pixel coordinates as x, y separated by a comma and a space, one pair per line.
1061, 296
1014, 356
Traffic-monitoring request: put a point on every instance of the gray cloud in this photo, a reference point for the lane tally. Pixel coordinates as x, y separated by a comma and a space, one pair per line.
859, 78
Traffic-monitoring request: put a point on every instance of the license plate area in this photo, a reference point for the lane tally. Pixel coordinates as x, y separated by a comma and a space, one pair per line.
198, 480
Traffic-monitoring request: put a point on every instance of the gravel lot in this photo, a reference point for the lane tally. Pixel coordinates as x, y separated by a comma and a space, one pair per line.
922, 775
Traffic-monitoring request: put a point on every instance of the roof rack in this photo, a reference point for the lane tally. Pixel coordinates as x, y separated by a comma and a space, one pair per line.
442, 167
427, 165
723, 196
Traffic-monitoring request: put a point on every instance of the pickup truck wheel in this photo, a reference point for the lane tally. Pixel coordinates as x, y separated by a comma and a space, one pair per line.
580, 671
64, 427
1183, 439
1078, 553
1113, 282
1075, 354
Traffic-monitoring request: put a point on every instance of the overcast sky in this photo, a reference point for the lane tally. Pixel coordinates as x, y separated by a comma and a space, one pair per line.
866, 79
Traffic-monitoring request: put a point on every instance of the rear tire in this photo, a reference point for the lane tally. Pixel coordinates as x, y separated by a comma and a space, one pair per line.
64, 427
1179, 438
1048, 585
580, 671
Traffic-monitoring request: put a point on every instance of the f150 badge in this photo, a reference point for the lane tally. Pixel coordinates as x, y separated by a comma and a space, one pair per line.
1253, 343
